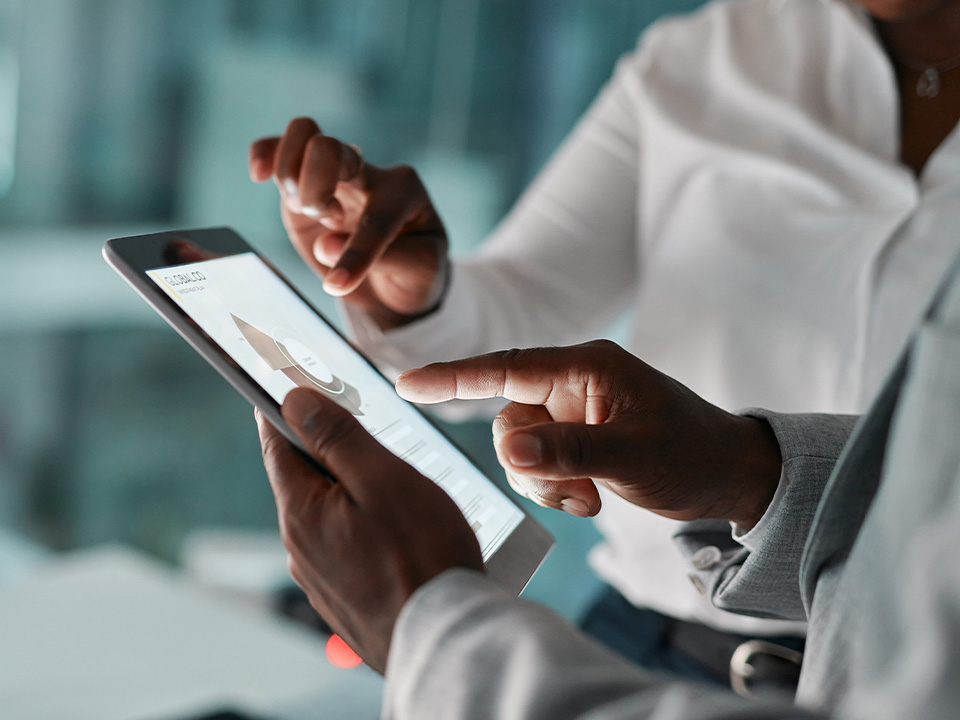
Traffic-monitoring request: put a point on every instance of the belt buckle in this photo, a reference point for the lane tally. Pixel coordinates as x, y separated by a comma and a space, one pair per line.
741, 670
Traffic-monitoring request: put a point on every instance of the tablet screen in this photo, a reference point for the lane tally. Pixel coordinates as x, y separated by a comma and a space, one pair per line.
282, 343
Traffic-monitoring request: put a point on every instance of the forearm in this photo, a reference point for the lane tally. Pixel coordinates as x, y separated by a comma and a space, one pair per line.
464, 649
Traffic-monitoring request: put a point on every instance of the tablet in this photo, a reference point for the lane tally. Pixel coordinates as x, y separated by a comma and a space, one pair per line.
265, 338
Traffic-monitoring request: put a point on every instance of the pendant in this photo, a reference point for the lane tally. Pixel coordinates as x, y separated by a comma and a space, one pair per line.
928, 85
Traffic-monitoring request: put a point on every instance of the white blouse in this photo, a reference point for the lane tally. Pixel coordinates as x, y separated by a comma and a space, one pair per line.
737, 189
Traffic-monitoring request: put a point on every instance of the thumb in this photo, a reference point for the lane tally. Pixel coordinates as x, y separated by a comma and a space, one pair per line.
335, 438
564, 451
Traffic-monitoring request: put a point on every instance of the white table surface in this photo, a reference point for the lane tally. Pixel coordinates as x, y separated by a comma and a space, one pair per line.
108, 634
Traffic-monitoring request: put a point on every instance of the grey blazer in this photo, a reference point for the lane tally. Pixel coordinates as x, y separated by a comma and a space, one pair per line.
863, 542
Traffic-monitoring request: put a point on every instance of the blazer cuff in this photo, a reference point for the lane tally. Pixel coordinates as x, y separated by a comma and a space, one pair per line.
758, 573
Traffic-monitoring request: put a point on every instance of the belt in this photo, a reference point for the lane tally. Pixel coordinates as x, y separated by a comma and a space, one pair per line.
754, 665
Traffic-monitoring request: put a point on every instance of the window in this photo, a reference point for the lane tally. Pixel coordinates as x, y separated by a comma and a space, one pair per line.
9, 75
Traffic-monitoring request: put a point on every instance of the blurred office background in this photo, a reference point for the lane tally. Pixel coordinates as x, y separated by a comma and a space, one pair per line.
125, 116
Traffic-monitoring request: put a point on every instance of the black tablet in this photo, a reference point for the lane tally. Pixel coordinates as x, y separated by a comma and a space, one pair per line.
265, 338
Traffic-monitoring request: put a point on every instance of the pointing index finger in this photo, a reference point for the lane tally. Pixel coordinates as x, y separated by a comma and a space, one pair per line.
525, 376
395, 201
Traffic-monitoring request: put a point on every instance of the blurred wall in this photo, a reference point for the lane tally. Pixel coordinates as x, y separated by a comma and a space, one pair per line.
119, 116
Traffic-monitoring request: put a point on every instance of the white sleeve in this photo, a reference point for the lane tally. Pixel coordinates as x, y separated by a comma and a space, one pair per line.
463, 648
561, 265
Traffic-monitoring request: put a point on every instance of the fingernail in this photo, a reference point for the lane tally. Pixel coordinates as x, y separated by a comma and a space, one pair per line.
524, 450
575, 506
335, 281
323, 256
292, 195
401, 385
300, 408
329, 214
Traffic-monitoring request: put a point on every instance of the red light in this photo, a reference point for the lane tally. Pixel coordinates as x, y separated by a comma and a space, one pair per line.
340, 654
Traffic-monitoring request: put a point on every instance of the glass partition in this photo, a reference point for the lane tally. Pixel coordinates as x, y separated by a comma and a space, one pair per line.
118, 117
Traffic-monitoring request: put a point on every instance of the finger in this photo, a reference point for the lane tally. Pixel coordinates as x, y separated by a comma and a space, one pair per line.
396, 197
328, 247
578, 497
566, 451
286, 468
262, 158
524, 376
290, 475
515, 415
289, 158
326, 162
412, 276
334, 437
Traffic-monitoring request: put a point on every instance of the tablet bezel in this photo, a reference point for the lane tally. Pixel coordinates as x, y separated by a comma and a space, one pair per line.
511, 565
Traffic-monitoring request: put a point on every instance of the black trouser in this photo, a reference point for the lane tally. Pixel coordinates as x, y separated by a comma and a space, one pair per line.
659, 642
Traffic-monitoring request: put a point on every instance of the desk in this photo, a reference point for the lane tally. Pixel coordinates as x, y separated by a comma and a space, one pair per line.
108, 634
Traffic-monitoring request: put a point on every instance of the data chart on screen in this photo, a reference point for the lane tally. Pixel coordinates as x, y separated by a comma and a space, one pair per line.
282, 343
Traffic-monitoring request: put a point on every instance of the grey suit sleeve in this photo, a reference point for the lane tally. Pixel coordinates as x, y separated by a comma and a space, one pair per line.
463, 648
764, 580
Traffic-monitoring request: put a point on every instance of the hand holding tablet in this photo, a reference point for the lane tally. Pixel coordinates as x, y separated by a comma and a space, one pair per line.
265, 338
362, 546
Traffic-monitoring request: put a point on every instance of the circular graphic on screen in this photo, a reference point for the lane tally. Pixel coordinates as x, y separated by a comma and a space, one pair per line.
307, 361
306, 365
284, 352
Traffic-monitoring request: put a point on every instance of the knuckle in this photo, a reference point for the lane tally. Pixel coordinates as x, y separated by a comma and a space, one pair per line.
551, 493
575, 450
547, 493
603, 344
353, 259
505, 420
522, 363
517, 484
293, 567
323, 146
521, 358
460, 387
340, 431
303, 123
288, 536
271, 446
377, 222
596, 355
546, 498
511, 355
274, 449
406, 177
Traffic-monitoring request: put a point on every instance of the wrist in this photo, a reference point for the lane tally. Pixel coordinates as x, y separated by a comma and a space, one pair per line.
756, 472
388, 319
